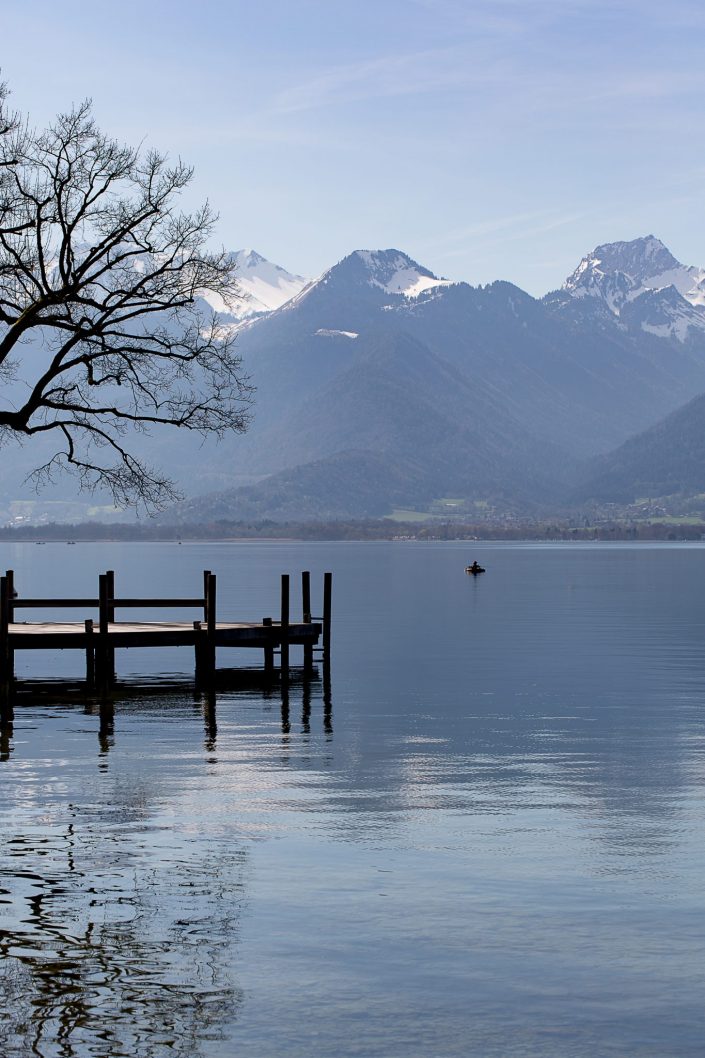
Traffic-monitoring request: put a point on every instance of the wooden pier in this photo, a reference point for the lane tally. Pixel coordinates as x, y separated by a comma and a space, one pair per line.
99, 640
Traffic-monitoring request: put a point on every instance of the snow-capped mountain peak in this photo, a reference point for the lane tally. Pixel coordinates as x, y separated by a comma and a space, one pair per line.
263, 286
371, 275
621, 273
396, 273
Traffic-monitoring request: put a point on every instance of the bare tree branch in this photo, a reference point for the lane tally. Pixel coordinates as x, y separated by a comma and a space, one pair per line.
101, 314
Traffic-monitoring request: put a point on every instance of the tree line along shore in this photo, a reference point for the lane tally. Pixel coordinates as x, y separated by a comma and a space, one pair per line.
352, 530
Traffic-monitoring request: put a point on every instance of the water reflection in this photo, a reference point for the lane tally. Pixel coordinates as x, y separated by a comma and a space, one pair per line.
204, 701
119, 927
6, 728
112, 949
498, 854
210, 721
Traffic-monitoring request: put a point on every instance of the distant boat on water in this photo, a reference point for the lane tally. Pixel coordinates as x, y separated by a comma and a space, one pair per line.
475, 569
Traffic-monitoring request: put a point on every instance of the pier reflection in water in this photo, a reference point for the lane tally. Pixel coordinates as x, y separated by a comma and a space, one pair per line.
120, 900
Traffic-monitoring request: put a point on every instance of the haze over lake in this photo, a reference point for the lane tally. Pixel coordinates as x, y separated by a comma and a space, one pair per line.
490, 845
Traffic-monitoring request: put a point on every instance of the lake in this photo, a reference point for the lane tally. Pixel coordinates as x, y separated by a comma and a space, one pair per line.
488, 843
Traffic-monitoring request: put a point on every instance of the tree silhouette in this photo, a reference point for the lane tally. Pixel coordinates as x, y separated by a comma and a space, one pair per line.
103, 330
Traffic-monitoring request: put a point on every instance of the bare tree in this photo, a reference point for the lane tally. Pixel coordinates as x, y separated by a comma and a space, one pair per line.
102, 327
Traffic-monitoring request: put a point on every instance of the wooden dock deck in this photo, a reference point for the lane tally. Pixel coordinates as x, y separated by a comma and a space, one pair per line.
45, 635
99, 640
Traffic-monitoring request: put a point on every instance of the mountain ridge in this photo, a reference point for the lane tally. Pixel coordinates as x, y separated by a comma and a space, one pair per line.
641, 276
441, 388
537, 385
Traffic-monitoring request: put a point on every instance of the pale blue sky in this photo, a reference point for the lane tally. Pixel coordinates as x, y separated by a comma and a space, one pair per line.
488, 138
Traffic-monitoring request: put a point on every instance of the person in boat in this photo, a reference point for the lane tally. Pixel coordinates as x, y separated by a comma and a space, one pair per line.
476, 568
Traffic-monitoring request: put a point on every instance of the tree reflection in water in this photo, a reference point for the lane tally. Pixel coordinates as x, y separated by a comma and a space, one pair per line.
116, 934
124, 948
118, 928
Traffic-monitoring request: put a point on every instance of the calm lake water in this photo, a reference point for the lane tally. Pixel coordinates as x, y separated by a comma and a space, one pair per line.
489, 843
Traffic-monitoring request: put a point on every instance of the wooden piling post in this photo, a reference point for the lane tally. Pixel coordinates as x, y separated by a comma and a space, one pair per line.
198, 653
284, 648
206, 575
10, 603
327, 603
268, 649
90, 655
11, 595
101, 657
306, 608
5, 662
210, 627
110, 603
306, 596
204, 669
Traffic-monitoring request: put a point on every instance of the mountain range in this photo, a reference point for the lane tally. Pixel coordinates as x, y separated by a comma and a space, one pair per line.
382, 386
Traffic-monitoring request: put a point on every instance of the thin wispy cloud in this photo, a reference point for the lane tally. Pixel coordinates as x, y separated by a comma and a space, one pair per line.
389, 75
482, 78
512, 232
485, 228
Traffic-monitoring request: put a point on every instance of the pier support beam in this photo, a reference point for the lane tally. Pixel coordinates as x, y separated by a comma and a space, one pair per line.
269, 649
211, 627
284, 649
327, 606
90, 655
7, 655
205, 635
306, 608
110, 603
199, 654
102, 653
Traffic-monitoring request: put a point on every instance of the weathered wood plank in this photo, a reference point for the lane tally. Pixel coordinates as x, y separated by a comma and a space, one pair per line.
72, 635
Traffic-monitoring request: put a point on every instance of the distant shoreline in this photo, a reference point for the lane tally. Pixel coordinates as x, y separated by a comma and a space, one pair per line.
382, 529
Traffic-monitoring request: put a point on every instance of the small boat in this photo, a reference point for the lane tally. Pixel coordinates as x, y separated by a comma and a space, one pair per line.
474, 569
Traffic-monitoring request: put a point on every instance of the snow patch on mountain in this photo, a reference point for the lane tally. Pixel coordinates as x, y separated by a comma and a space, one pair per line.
621, 273
675, 329
328, 332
